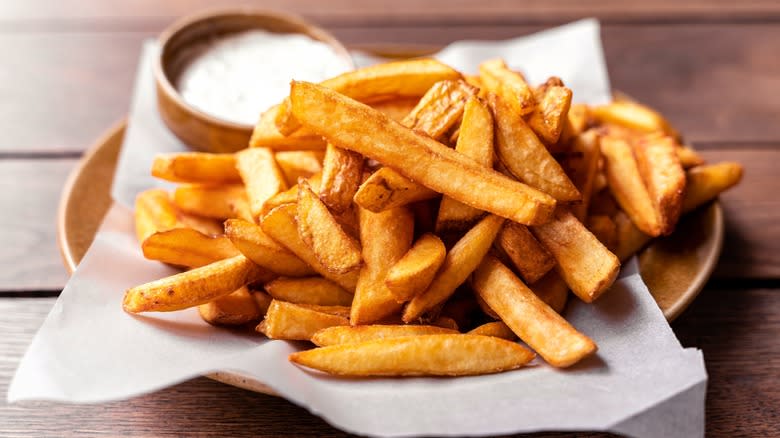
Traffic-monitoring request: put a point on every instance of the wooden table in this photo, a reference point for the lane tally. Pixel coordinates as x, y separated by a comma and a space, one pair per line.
711, 66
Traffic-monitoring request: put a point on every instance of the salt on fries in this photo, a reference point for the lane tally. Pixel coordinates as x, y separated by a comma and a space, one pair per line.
408, 220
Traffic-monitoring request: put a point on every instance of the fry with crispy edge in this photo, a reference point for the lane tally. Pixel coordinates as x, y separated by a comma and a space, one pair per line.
426, 355
552, 290
533, 321
496, 329
195, 287
153, 212
584, 263
218, 202
582, 164
263, 250
386, 189
187, 247
196, 167
416, 269
342, 171
352, 334
498, 79
529, 257
550, 114
459, 263
262, 176
296, 322
664, 177
689, 157
633, 115
357, 127
262, 300
267, 135
290, 196
396, 109
238, 308
299, 164
309, 290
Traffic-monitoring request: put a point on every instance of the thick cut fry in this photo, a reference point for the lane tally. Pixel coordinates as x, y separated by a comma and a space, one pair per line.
218, 202
549, 115
552, 290
415, 271
475, 140
459, 263
497, 329
262, 176
604, 228
704, 183
446, 322
427, 355
357, 127
267, 135
630, 239
533, 321
207, 226
342, 172
520, 150
440, 108
386, 189
237, 308
335, 249
586, 265
582, 166
688, 157
279, 224
633, 115
195, 287
511, 86
296, 323
187, 247
577, 121
196, 167
664, 178
396, 109
290, 196
263, 250
262, 300
154, 212
342, 311
310, 290
299, 164
625, 183
350, 335
529, 257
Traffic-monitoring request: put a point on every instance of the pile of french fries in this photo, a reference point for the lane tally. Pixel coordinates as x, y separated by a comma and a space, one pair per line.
409, 220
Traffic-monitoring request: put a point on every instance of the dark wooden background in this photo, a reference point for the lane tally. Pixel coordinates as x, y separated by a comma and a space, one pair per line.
713, 67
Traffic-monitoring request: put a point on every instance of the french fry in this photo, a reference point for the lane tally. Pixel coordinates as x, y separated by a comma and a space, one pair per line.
339, 335
386, 237
582, 165
267, 135
299, 164
529, 257
496, 329
341, 175
552, 290
475, 140
416, 269
440, 108
496, 78
295, 322
459, 263
262, 176
263, 250
396, 109
426, 355
196, 167
195, 287
187, 247
634, 116
357, 127
280, 225
262, 300
154, 212
484, 307
335, 249
550, 114
290, 196
583, 262
342, 311
577, 121
630, 239
520, 150
218, 202
704, 183
204, 225
688, 157
533, 321
238, 308
664, 178
386, 189
445, 322
309, 290
604, 228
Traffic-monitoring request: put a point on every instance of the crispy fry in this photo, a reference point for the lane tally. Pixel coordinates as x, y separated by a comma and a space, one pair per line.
664, 177
357, 127
445, 322
688, 157
511, 86
310, 290
262, 300
633, 115
187, 247
427, 355
550, 114
630, 239
440, 108
195, 287
496, 329
582, 166
295, 322
154, 212
266, 135
341, 175
529, 257
299, 164
196, 167
386, 189
218, 202
484, 307
352, 334
704, 183
416, 269
290, 196
396, 109
386, 237
577, 121
335, 249
263, 250
238, 308
342, 311
533, 321
552, 290
604, 228
459, 263
262, 176
586, 265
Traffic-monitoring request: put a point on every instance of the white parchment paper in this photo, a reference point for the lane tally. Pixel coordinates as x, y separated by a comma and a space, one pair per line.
641, 382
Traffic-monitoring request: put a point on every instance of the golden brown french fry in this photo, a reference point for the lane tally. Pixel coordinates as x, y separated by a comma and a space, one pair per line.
299, 164
386, 237
445, 322
207, 226
664, 177
484, 307
585, 264
604, 228
475, 140
218, 202
262, 176
416, 269
262, 300
196, 167
280, 225
309, 290
577, 121
459, 263
187, 247
533, 321
386, 189
290, 196
396, 109
237, 308
426, 355
550, 114
496, 329
195, 287
154, 212
263, 250
520, 150
342, 172
440, 108
352, 334
335, 249
633, 115
704, 183
582, 165
688, 157
552, 290
630, 239
266, 135
511, 86
295, 322
529, 257
625, 183
357, 127
342, 311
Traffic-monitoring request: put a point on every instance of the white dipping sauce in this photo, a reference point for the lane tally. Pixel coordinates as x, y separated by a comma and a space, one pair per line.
238, 76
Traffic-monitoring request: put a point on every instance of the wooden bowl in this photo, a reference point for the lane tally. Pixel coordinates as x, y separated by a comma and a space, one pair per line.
200, 130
